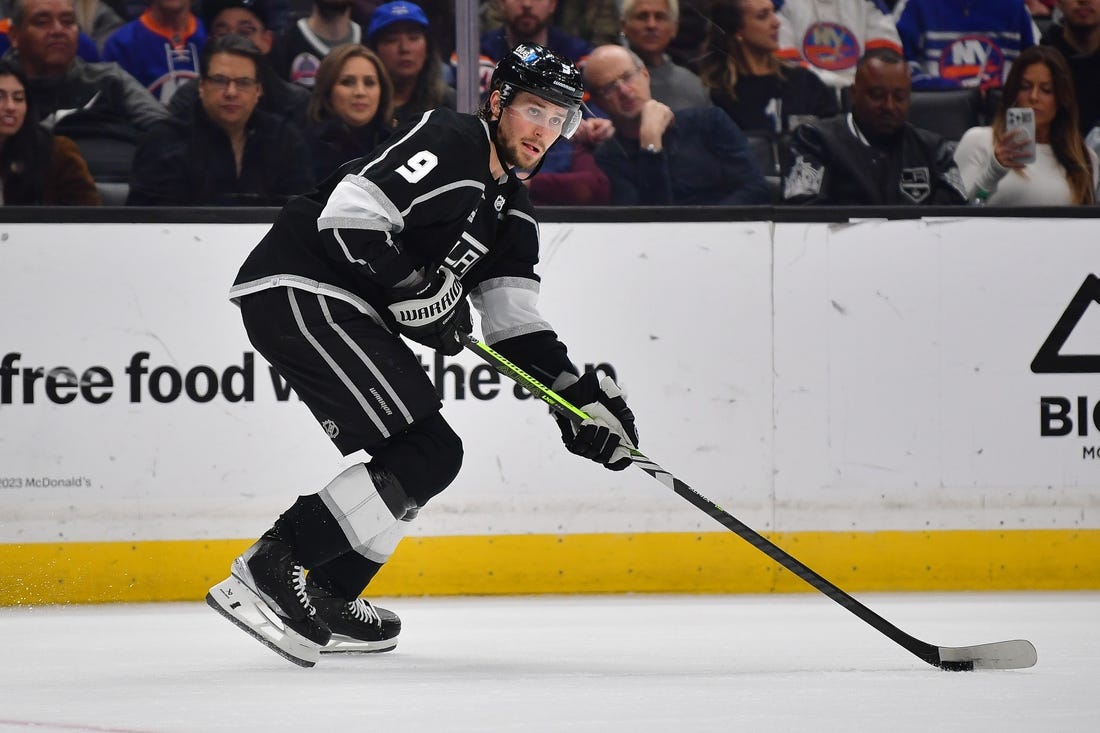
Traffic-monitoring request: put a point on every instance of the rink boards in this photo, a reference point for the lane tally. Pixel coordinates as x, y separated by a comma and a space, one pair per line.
900, 404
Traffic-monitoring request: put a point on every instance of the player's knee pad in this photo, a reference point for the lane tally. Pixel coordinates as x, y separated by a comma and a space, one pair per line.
424, 459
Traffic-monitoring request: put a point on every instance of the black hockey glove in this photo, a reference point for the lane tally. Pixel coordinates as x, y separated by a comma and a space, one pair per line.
434, 313
608, 433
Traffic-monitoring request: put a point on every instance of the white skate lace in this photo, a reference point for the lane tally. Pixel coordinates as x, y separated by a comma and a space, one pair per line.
364, 611
299, 579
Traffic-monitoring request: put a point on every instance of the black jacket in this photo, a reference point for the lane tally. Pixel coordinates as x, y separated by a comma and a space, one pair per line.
1085, 70
332, 143
705, 160
767, 103
834, 164
189, 162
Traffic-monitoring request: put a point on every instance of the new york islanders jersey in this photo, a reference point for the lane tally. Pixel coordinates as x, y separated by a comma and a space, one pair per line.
160, 58
831, 35
951, 44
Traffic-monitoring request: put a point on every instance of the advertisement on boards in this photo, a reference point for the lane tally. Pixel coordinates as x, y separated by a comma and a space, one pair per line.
132, 405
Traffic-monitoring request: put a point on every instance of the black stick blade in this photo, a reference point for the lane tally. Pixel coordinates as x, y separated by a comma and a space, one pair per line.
1016, 654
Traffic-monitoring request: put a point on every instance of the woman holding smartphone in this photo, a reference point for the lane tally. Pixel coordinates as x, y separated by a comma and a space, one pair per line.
1007, 165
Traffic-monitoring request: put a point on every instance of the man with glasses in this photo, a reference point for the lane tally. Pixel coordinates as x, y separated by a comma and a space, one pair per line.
657, 157
380, 257
249, 19
227, 152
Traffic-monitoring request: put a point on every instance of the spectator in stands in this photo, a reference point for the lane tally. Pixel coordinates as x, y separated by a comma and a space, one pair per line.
873, 155
86, 46
44, 43
398, 33
689, 46
36, 167
298, 52
248, 19
1064, 171
762, 94
1078, 38
228, 153
440, 14
649, 26
595, 21
530, 21
351, 105
948, 45
831, 35
161, 48
583, 182
658, 157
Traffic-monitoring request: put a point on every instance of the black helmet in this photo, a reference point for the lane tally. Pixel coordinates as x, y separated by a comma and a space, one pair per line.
538, 70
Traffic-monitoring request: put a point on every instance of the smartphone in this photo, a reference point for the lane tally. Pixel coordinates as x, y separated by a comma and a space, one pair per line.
1023, 118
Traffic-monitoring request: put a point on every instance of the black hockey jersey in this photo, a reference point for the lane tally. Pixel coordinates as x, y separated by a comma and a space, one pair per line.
424, 198
834, 164
296, 55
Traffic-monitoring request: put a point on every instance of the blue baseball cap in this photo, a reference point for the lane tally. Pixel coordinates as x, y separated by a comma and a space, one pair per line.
396, 12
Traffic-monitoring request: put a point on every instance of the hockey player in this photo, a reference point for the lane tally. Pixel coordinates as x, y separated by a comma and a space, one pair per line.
386, 249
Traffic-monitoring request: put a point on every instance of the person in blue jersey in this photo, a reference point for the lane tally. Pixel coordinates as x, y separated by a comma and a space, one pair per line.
955, 43
161, 48
390, 249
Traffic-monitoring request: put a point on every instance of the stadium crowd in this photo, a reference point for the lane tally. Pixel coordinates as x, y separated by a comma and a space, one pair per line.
689, 102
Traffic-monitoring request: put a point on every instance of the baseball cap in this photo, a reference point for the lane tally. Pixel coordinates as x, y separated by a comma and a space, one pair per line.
211, 8
396, 12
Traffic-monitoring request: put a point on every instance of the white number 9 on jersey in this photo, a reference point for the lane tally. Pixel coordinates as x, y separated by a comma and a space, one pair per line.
418, 166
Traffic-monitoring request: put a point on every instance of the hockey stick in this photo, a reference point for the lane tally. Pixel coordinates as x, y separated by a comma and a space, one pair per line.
1016, 654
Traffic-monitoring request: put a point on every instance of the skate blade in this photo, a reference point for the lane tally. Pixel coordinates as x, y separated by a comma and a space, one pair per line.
347, 645
236, 602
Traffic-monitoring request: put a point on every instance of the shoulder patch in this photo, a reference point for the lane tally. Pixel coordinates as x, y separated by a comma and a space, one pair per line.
804, 179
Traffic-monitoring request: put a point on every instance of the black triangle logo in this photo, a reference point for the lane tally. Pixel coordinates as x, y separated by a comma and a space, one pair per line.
1049, 360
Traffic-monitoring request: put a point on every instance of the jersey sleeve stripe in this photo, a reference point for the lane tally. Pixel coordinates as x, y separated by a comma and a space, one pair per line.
522, 215
358, 203
508, 308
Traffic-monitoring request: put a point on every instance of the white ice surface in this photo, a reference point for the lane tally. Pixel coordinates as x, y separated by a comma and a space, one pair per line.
604, 663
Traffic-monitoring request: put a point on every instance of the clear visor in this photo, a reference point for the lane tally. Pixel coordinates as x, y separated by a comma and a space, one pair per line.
562, 121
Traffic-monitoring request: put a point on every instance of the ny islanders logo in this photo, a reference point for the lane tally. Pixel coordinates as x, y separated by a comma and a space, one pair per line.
830, 46
972, 60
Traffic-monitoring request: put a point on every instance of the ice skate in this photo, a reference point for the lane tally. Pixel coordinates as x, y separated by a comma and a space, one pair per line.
265, 596
358, 627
